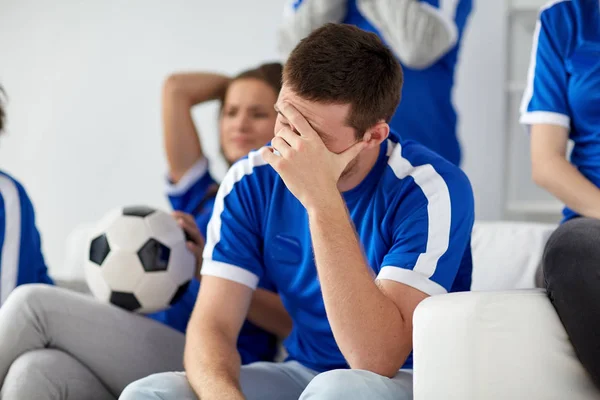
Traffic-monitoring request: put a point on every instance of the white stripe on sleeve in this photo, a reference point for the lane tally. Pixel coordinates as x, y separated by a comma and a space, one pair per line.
190, 177
438, 209
412, 279
229, 272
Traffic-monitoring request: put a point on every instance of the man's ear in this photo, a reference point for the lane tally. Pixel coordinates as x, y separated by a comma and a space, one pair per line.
376, 134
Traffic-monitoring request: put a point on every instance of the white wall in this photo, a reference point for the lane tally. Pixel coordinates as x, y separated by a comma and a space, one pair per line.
84, 83
480, 100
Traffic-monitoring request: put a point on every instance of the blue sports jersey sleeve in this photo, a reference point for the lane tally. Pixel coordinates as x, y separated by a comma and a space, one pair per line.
545, 98
233, 242
431, 227
189, 193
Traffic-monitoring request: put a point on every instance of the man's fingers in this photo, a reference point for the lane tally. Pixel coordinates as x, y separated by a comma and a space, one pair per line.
350, 154
292, 138
267, 154
281, 146
297, 120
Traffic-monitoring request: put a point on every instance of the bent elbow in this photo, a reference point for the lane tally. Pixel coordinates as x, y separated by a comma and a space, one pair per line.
173, 85
381, 365
382, 368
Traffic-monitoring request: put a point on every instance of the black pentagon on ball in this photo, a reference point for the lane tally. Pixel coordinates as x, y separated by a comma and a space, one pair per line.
154, 256
179, 293
138, 211
99, 249
128, 301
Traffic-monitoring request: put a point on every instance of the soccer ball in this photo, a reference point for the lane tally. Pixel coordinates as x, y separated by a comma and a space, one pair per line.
137, 260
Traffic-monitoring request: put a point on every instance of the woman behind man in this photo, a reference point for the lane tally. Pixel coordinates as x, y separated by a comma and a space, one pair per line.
562, 102
56, 344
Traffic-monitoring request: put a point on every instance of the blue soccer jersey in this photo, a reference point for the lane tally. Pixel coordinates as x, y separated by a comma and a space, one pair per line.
21, 259
428, 115
192, 195
564, 80
413, 213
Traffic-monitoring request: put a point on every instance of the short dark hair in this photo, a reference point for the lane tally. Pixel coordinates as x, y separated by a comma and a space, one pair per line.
342, 64
2, 112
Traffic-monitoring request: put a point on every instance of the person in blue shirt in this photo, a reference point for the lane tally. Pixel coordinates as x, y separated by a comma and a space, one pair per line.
353, 228
562, 103
21, 258
425, 35
57, 344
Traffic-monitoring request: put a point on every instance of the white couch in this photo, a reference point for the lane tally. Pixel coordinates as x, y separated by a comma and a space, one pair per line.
503, 341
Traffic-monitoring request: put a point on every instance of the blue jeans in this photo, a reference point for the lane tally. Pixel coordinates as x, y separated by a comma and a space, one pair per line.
283, 381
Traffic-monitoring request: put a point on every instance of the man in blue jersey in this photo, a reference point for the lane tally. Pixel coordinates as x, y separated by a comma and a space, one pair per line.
21, 259
425, 35
353, 229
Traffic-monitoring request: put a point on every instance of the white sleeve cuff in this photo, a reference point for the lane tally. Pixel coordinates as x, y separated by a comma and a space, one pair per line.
412, 279
229, 272
191, 176
545, 117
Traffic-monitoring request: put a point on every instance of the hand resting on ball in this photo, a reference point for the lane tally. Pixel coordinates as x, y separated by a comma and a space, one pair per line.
194, 239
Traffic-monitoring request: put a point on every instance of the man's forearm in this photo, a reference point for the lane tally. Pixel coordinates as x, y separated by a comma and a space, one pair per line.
366, 324
212, 365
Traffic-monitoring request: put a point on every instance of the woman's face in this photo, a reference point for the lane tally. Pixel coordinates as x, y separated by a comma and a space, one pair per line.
247, 118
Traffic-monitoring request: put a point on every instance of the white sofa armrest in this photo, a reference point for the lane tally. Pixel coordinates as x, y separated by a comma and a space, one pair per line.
495, 346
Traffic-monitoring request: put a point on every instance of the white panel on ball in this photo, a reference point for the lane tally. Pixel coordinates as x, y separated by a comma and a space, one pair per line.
127, 233
164, 228
96, 282
122, 270
182, 264
155, 291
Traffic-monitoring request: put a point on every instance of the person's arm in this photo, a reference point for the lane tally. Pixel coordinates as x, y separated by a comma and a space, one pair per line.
419, 32
371, 320
553, 172
231, 270
212, 362
180, 93
301, 17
